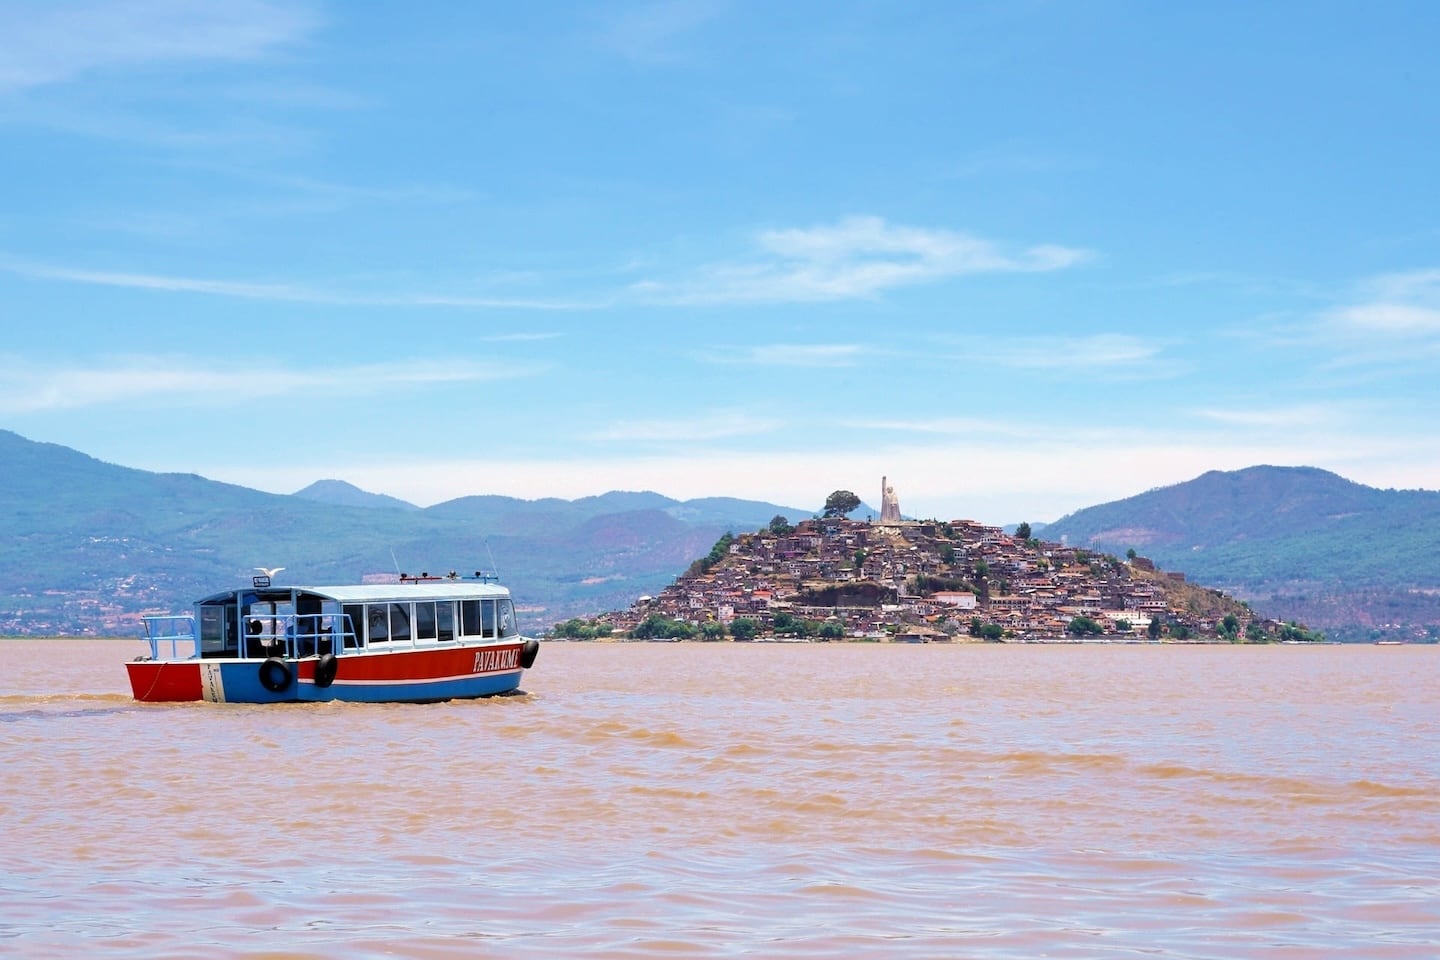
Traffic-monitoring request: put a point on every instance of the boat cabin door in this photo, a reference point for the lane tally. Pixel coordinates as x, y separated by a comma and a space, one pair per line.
215, 638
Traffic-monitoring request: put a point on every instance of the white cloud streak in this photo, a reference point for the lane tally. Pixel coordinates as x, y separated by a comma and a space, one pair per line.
1102, 351
280, 292
855, 258
1388, 319
54, 43
1393, 307
787, 355
1302, 415
655, 33
171, 379
713, 426
859, 257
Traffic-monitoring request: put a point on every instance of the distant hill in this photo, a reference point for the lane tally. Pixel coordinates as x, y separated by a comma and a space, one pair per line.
89, 544
837, 579
1300, 541
345, 494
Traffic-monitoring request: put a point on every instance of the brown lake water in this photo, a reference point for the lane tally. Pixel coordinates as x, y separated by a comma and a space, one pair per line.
725, 800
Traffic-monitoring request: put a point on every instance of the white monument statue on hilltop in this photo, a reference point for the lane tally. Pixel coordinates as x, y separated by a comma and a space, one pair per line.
889, 503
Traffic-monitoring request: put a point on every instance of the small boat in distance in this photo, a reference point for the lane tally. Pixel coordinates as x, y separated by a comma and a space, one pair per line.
420, 640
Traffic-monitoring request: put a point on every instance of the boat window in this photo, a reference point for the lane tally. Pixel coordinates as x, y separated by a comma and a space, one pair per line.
470, 618
354, 624
377, 616
399, 621
445, 619
425, 620
507, 619
487, 617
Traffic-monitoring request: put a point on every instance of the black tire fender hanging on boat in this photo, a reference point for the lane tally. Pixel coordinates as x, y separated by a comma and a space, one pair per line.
529, 652
274, 675
325, 669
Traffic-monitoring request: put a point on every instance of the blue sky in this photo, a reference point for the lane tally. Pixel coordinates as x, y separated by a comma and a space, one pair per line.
1020, 257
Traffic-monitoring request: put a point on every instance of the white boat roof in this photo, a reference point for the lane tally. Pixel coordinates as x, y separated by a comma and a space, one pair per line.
424, 590
373, 592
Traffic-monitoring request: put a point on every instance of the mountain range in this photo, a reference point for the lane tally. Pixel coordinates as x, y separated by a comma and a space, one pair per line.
90, 544
1297, 542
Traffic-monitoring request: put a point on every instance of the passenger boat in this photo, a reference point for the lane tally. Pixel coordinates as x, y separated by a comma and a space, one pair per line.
419, 640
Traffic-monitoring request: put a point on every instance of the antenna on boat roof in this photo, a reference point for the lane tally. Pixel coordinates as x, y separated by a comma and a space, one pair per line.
493, 568
396, 562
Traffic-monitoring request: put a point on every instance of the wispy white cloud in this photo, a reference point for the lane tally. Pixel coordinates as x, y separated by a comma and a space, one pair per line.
518, 337
787, 355
1283, 417
282, 292
655, 33
1102, 351
1422, 285
943, 426
857, 257
169, 284
1011, 159
1388, 319
54, 43
29, 389
709, 426
1391, 306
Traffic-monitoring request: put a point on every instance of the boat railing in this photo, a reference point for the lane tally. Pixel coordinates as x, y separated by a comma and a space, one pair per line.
297, 635
173, 629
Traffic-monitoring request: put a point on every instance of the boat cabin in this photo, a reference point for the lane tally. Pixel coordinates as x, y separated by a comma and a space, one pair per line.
304, 621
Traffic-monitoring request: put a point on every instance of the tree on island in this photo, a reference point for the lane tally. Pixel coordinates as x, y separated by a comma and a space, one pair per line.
744, 629
657, 627
780, 526
840, 503
1022, 532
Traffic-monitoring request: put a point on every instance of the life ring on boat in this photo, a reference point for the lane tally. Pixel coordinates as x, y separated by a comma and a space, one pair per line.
325, 669
274, 675
529, 652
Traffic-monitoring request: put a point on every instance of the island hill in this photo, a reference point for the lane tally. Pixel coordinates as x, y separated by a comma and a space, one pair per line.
832, 578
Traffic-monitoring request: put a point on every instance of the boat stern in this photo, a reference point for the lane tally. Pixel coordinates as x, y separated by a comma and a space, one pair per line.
166, 681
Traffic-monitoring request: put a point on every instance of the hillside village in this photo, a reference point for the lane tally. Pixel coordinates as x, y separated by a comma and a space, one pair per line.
832, 578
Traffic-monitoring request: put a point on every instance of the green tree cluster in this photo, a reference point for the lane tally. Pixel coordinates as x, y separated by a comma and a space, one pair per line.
744, 629
716, 554
924, 584
986, 631
658, 627
578, 629
1293, 631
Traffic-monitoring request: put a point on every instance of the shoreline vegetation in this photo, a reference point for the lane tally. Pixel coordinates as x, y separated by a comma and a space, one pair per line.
833, 579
